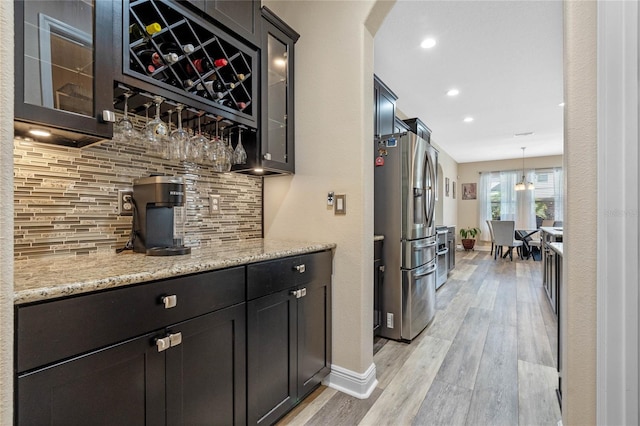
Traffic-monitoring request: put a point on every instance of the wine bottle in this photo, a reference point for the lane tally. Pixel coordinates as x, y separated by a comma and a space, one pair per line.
219, 85
201, 65
170, 58
188, 48
150, 57
136, 33
219, 63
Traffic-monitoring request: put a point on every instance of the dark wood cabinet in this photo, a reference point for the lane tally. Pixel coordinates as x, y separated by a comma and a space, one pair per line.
197, 63
384, 101
288, 333
419, 128
188, 372
400, 126
63, 70
206, 372
276, 150
120, 384
234, 346
240, 16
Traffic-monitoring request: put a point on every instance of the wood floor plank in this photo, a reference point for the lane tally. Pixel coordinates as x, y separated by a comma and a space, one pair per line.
505, 310
447, 322
495, 394
343, 409
447, 292
445, 404
389, 360
460, 366
486, 296
308, 408
537, 404
533, 343
402, 398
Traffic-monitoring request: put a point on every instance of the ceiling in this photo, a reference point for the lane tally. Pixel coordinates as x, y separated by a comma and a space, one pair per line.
504, 57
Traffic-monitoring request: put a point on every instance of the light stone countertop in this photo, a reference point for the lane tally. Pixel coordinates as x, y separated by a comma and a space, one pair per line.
556, 232
58, 276
557, 247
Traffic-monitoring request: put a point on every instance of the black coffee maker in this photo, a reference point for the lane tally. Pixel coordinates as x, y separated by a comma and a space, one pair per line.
159, 216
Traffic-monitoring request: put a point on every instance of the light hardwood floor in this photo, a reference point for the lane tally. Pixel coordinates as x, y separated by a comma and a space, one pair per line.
488, 358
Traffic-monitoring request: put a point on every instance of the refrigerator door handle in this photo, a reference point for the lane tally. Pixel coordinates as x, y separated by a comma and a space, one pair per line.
427, 272
424, 246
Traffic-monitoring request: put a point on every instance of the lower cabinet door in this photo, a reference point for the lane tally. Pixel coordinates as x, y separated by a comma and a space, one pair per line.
271, 359
314, 337
119, 385
206, 371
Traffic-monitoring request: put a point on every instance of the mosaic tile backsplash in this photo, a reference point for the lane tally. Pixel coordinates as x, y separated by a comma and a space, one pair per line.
66, 198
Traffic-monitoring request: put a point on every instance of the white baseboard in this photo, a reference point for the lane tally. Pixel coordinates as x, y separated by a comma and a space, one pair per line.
355, 384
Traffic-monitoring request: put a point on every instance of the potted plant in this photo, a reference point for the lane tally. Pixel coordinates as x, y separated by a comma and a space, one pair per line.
468, 237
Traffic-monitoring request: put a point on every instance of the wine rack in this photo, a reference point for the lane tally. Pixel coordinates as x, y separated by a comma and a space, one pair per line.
169, 47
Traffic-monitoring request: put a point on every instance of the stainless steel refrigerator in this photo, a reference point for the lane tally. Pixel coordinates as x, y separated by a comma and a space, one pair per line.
405, 189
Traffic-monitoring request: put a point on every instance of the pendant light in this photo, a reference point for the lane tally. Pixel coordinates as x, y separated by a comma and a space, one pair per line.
522, 185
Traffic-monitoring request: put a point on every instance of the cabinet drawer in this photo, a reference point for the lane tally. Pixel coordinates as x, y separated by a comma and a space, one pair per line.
50, 331
269, 277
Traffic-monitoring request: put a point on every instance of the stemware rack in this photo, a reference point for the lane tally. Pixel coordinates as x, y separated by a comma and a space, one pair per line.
234, 73
139, 101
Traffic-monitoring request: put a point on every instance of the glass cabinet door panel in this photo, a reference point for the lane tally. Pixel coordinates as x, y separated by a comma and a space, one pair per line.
277, 80
59, 55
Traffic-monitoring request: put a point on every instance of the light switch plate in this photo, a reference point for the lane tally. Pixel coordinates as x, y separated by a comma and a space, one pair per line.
330, 198
340, 206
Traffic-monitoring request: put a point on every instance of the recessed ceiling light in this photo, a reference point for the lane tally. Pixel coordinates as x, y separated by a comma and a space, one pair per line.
40, 132
428, 43
468, 119
561, 104
523, 134
453, 92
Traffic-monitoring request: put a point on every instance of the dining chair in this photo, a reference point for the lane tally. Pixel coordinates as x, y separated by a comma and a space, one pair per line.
504, 234
491, 234
547, 223
535, 241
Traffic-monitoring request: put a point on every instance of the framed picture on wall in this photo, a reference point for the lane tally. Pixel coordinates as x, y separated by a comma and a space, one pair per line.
453, 189
446, 187
469, 191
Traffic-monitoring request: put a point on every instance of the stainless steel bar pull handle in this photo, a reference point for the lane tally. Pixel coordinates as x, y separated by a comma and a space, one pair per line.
163, 344
299, 293
301, 268
175, 339
170, 301
427, 272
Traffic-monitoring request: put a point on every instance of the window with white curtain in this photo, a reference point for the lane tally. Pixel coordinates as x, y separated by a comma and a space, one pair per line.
548, 194
498, 199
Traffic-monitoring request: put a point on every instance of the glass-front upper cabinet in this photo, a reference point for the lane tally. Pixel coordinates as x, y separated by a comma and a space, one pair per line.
63, 70
277, 127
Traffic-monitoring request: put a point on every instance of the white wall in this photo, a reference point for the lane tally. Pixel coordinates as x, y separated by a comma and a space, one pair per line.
6, 216
578, 321
449, 215
334, 152
470, 173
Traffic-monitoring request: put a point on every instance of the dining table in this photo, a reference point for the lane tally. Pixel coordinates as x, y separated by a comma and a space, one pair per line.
525, 236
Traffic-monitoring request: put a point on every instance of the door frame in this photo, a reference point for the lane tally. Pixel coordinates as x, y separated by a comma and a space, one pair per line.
618, 323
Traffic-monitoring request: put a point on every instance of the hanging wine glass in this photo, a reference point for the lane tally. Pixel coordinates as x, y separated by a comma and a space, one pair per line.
124, 130
168, 150
222, 159
239, 154
156, 130
199, 144
229, 149
180, 139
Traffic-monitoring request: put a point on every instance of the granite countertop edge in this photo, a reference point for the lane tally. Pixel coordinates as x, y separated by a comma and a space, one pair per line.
558, 248
60, 276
